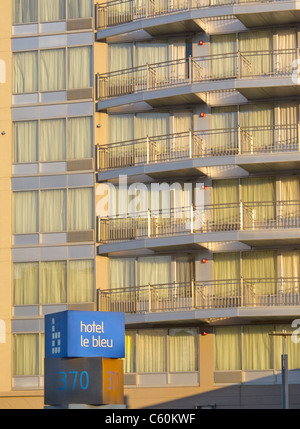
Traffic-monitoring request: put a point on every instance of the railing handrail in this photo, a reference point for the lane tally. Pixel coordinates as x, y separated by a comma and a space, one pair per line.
198, 58
187, 209
196, 133
189, 6
201, 283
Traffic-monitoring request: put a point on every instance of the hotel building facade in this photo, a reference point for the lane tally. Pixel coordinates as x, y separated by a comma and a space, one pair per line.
150, 165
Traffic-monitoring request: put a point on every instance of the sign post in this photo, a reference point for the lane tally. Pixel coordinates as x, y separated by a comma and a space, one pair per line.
83, 358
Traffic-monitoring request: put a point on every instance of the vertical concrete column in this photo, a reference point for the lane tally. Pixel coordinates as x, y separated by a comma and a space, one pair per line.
5, 197
206, 358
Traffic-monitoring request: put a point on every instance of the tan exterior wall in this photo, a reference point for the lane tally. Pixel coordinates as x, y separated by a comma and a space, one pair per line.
5, 197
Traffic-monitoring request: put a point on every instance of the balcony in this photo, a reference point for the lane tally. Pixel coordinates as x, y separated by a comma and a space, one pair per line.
210, 297
255, 75
265, 144
246, 222
167, 16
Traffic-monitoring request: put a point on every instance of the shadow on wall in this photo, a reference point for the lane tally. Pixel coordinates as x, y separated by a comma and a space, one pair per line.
263, 394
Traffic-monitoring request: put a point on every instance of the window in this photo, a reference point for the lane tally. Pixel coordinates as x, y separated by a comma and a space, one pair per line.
53, 140
25, 354
80, 214
80, 67
161, 350
151, 350
26, 283
25, 11
53, 282
53, 70
183, 353
50, 140
25, 212
81, 281
52, 10
253, 348
25, 142
25, 72
46, 70
52, 206
53, 211
80, 9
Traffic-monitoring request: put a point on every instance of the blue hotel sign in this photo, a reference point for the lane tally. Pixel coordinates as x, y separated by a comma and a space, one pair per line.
85, 334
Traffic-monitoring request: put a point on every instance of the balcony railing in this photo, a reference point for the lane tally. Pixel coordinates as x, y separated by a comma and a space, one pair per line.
256, 216
168, 74
120, 12
279, 292
199, 144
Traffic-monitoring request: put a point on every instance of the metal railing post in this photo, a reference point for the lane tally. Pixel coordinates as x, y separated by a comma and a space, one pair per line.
148, 76
149, 222
242, 291
192, 219
238, 65
193, 293
241, 216
298, 140
239, 140
147, 142
149, 298
190, 143
190, 69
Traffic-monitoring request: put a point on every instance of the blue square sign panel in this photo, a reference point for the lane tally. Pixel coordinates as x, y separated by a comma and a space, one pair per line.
85, 334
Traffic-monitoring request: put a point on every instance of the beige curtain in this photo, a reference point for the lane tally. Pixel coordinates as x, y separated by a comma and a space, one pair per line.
52, 10
53, 70
290, 272
81, 281
259, 197
226, 269
25, 212
152, 350
287, 51
260, 269
223, 56
290, 199
257, 123
256, 53
228, 348
224, 137
183, 350
25, 72
25, 354
258, 347
26, 283
80, 9
225, 212
80, 138
130, 352
183, 123
53, 282
288, 126
52, 140
25, 141
53, 211
25, 11
80, 67
121, 273
80, 209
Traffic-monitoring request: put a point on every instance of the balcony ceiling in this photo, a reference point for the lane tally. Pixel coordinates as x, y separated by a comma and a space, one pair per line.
254, 19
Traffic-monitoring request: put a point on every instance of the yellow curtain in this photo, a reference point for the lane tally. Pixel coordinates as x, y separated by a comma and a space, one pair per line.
130, 352
258, 347
26, 283
225, 212
226, 266
260, 268
183, 352
81, 281
53, 282
25, 354
228, 348
259, 196
152, 348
